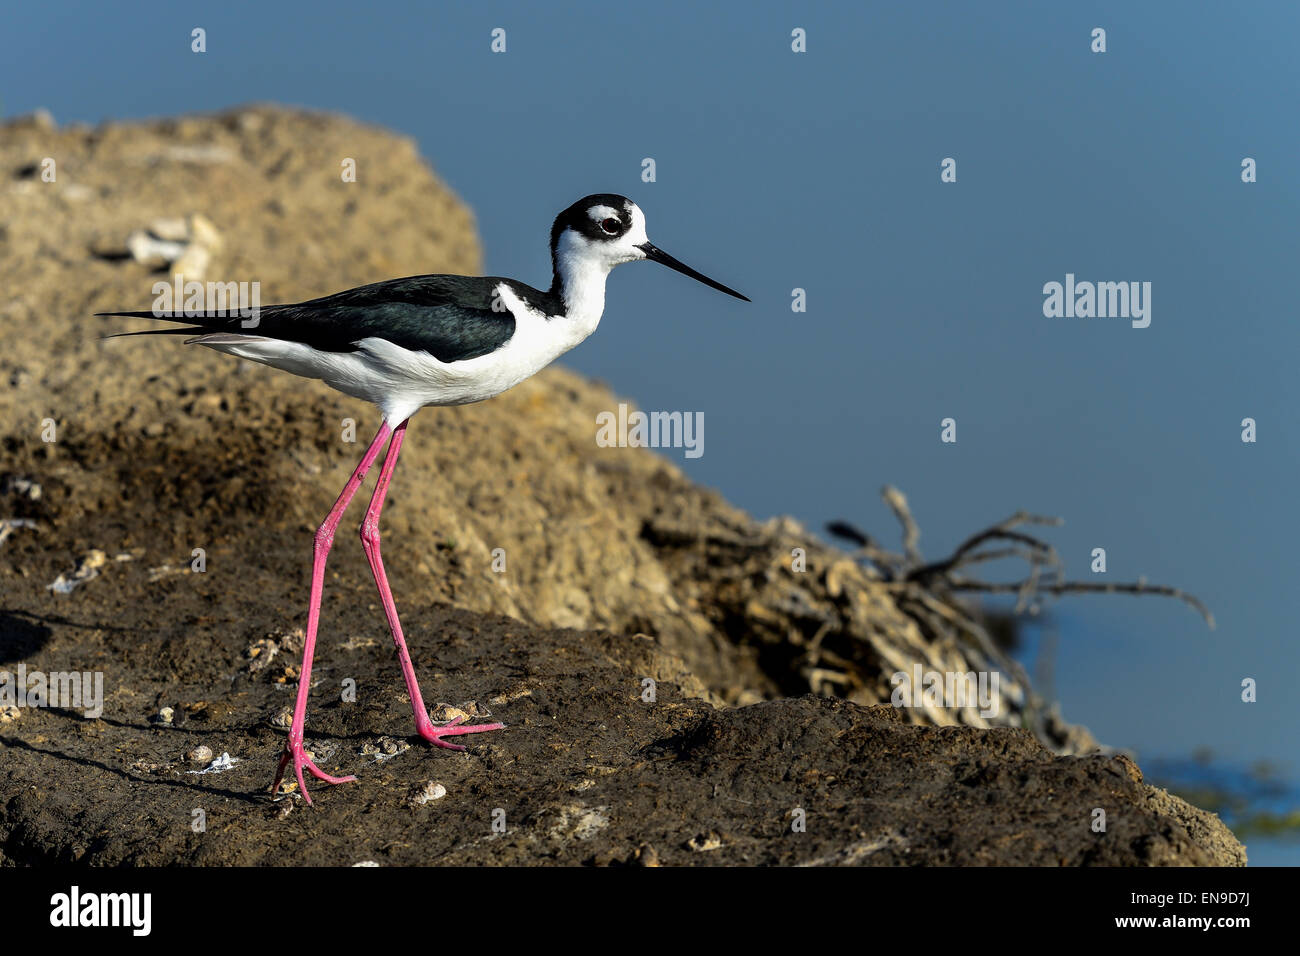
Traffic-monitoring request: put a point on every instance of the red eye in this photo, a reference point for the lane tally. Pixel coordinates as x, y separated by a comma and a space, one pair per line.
611, 226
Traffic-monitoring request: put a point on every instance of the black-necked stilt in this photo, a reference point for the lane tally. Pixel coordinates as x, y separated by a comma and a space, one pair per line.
428, 340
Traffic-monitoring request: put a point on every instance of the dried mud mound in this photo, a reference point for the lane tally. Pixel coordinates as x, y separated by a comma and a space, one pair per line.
159, 450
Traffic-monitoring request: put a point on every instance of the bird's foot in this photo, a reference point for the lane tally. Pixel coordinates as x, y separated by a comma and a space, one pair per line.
434, 733
293, 750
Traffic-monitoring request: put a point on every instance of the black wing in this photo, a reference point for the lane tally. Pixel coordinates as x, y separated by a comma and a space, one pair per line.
450, 317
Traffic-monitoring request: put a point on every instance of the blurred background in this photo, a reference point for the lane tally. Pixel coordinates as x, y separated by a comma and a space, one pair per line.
778, 170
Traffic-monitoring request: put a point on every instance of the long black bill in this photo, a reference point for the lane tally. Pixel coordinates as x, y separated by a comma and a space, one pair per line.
655, 254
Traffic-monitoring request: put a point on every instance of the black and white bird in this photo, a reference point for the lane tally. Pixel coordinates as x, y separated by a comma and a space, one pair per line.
428, 340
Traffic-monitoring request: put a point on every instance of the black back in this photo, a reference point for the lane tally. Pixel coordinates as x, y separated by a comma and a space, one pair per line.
450, 317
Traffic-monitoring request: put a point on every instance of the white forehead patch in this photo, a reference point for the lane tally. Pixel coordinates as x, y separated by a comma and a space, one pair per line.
636, 232
601, 213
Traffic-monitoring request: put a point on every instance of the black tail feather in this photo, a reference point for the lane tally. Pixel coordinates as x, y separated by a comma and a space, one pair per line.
194, 324
189, 330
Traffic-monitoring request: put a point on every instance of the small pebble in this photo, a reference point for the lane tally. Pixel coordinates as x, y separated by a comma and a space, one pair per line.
164, 716
87, 569
260, 653
322, 751
429, 792
152, 252
384, 748
445, 713
704, 842
23, 487
204, 232
200, 756
170, 228
193, 262
646, 855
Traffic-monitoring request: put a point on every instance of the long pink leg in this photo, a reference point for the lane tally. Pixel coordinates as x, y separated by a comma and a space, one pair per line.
370, 542
293, 749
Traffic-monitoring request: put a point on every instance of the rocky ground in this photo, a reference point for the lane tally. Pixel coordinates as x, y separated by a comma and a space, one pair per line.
120, 457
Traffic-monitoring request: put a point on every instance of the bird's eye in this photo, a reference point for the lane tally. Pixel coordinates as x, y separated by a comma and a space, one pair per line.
611, 226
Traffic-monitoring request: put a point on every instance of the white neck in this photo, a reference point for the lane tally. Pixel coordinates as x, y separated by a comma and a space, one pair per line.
581, 279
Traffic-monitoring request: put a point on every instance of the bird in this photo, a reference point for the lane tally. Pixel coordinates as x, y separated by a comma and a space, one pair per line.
436, 340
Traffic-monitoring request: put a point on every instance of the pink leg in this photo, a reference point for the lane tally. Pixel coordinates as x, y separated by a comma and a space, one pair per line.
370, 541
293, 749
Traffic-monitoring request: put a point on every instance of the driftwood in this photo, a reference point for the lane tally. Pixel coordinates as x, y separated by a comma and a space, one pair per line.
925, 591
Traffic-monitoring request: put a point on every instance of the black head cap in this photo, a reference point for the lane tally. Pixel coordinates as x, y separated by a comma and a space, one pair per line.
586, 216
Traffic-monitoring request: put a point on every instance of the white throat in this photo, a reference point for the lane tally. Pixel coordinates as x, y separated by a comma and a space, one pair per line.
582, 272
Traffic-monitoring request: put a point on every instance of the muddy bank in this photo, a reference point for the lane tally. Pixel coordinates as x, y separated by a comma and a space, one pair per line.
586, 771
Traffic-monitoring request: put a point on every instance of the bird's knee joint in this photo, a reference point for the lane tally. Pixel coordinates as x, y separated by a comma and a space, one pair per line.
369, 533
324, 537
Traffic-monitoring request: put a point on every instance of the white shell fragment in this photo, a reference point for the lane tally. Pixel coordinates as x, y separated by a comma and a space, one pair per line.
220, 765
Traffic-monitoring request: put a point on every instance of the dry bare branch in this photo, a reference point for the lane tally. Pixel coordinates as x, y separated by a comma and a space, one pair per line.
1087, 587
